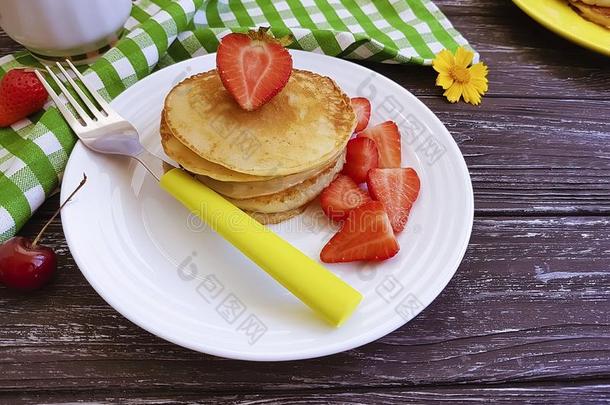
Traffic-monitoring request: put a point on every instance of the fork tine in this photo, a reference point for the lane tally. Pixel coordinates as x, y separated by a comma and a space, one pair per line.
68, 116
83, 115
100, 100
82, 95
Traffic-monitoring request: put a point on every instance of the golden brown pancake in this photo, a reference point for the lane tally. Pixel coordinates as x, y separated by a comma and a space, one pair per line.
276, 217
194, 163
265, 218
226, 181
600, 3
594, 13
302, 127
292, 197
241, 190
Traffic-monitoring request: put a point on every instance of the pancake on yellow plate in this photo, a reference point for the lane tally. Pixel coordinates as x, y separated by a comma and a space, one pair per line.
597, 11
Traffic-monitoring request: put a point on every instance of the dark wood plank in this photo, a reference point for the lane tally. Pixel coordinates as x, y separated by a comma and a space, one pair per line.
571, 393
7, 45
532, 156
529, 303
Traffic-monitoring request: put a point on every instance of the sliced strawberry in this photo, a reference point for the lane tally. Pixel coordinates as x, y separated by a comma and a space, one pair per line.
387, 139
397, 189
21, 94
341, 196
362, 108
361, 156
366, 234
253, 67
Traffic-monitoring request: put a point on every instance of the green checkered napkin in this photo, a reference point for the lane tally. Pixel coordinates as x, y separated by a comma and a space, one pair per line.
34, 151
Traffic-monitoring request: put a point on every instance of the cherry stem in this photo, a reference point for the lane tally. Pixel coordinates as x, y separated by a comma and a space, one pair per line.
81, 184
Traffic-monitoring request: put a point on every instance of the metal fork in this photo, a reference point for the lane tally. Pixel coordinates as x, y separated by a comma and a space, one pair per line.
102, 129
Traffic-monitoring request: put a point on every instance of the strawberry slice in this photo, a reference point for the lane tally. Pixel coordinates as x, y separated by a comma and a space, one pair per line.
341, 196
387, 139
253, 67
366, 234
21, 94
361, 156
362, 108
397, 189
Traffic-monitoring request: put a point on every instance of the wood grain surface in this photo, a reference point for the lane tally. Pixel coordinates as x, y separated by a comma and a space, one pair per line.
526, 319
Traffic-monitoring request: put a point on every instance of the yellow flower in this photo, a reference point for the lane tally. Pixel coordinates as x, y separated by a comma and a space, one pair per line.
457, 78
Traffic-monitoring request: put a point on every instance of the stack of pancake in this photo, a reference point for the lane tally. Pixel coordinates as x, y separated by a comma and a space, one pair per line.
597, 11
271, 162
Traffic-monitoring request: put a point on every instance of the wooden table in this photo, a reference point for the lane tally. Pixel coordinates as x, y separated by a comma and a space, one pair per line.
526, 317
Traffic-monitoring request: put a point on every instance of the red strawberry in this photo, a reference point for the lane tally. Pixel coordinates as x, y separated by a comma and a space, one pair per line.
366, 234
362, 108
387, 139
21, 94
253, 67
397, 189
361, 156
341, 196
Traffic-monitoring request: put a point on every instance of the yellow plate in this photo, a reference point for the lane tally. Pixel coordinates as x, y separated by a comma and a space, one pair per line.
560, 18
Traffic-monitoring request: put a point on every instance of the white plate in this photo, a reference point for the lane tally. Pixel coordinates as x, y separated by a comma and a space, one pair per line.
163, 270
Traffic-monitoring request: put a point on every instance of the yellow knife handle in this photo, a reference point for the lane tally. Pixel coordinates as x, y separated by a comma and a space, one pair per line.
308, 280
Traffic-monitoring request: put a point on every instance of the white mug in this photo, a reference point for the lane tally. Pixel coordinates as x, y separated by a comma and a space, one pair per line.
60, 29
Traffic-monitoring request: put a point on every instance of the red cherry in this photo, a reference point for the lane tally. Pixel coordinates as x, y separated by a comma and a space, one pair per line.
24, 266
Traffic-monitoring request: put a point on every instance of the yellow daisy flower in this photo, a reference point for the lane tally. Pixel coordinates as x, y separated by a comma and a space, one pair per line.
457, 78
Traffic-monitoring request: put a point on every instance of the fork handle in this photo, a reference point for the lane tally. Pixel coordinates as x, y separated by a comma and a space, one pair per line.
308, 280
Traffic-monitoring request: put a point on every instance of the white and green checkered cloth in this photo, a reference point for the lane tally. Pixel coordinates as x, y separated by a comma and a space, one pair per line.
34, 151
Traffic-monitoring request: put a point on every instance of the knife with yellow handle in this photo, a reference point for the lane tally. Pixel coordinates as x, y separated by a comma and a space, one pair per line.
105, 131
325, 293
